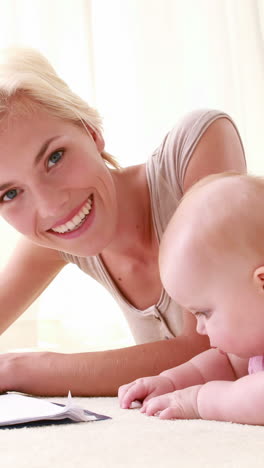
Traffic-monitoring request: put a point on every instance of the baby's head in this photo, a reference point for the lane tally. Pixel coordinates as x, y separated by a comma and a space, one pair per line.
212, 259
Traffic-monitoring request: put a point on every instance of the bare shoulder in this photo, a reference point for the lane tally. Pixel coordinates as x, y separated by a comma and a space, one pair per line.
219, 149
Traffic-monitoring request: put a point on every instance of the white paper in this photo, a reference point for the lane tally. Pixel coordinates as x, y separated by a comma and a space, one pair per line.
16, 408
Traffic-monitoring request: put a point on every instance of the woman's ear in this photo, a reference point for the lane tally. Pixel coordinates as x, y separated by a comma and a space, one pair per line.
98, 139
258, 278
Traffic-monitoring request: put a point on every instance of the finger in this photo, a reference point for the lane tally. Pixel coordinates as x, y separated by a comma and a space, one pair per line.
123, 390
151, 395
155, 405
155, 393
146, 404
136, 392
135, 404
170, 413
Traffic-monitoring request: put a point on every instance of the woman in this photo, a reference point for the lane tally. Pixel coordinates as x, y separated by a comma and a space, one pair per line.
72, 203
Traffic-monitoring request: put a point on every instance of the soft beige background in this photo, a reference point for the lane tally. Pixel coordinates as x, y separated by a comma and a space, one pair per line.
142, 63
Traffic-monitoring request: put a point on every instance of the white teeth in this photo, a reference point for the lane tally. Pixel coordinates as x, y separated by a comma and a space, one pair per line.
82, 215
85, 211
70, 225
78, 219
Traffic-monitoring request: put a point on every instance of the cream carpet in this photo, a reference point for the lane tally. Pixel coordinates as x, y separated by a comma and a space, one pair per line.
131, 439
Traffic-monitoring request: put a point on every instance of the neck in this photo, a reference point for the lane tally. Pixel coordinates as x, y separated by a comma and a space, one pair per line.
135, 232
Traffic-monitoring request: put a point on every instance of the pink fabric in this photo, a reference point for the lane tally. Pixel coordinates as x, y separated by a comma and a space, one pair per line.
256, 364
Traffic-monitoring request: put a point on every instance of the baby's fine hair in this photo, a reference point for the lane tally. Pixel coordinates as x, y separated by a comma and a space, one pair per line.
26, 73
228, 209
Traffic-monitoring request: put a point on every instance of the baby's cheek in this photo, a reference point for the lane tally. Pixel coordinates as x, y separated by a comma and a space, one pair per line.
224, 339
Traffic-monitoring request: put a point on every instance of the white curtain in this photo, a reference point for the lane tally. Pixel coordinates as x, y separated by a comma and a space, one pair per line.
142, 63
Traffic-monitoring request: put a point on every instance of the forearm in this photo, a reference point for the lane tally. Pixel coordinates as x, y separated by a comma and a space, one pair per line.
240, 401
111, 369
96, 373
183, 376
207, 366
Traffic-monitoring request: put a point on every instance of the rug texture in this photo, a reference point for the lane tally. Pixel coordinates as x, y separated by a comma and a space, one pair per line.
131, 439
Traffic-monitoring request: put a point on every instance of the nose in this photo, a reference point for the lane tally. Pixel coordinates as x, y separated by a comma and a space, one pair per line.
49, 201
200, 327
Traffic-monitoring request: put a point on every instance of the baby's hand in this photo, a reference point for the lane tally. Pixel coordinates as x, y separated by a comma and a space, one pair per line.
143, 389
181, 404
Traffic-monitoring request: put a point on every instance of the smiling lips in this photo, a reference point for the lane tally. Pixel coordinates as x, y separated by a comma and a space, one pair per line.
77, 219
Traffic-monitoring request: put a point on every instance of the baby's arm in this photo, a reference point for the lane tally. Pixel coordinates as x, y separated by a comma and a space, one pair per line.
240, 401
201, 399
209, 365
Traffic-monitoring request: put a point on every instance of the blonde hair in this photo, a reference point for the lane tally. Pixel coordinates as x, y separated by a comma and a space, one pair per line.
26, 76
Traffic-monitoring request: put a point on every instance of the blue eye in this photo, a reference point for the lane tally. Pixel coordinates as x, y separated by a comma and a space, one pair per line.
10, 195
55, 158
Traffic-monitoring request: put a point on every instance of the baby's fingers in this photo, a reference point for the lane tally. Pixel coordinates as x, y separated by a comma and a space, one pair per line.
154, 406
136, 391
123, 394
123, 390
170, 413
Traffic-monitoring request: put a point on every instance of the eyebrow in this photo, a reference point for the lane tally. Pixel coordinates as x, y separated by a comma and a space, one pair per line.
43, 149
194, 310
37, 159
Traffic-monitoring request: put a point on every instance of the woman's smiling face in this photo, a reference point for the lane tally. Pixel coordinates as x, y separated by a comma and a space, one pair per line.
54, 185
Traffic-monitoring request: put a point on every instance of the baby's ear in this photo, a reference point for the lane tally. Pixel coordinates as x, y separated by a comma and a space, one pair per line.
259, 278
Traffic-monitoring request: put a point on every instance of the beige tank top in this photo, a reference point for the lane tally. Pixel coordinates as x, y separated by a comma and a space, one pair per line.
165, 175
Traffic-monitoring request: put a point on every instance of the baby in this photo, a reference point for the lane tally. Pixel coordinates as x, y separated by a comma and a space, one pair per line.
212, 263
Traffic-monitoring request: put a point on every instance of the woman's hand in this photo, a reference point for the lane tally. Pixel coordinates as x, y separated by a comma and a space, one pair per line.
29, 372
143, 389
181, 404
13, 371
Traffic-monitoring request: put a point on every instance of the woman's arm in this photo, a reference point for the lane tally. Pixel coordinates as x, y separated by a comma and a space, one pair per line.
218, 150
28, 272
93, 373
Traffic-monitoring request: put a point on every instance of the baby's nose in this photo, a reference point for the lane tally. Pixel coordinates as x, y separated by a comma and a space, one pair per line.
200, 327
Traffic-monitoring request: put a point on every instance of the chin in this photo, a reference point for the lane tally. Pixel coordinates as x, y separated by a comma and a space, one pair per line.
87, 250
